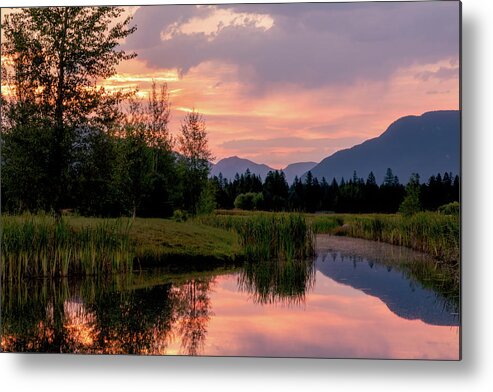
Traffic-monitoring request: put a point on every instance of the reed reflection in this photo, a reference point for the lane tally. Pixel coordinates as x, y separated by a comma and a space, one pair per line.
278, 281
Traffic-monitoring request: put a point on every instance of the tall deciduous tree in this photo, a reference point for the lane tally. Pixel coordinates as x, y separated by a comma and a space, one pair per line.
148, 150
56, 56
196, 157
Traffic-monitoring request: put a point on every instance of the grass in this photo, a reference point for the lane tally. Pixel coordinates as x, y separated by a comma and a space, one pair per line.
36, 246
429, 232
159, 242
266, 237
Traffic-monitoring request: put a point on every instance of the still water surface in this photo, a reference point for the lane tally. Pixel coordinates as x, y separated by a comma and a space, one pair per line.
356, 299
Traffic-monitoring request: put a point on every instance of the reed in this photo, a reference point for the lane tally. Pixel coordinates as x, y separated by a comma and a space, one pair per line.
429, 232
39, 246
268, 236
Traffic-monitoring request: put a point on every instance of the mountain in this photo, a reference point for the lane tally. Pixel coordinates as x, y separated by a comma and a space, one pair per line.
297, 169
232, 165
426, 144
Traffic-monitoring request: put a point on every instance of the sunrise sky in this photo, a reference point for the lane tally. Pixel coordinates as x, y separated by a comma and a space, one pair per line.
284, 83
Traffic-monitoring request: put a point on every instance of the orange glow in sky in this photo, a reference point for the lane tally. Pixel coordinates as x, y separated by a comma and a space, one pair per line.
222, 62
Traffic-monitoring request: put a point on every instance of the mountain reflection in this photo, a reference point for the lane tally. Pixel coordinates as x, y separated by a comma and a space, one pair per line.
87, 317
411, 284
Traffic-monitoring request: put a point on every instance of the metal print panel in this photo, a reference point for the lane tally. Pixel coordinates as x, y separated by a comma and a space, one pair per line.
275, 180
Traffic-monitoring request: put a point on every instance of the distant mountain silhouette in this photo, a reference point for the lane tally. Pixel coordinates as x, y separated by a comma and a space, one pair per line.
426, 144
232, 165
297, 169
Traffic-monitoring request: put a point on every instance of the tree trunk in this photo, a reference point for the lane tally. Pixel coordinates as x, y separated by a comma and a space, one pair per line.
59, 152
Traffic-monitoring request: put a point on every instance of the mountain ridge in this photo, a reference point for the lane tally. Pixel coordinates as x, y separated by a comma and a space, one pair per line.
425, 144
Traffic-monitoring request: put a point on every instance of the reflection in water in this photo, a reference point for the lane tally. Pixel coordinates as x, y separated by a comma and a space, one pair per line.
416, 286
406, 298
271, 282
193, 311
359, 300
94, 317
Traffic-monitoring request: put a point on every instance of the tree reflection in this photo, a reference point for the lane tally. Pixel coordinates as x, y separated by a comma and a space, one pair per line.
192, 313
37, 317
92, 316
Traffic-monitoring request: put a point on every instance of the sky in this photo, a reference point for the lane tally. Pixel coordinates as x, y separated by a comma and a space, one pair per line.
284, 83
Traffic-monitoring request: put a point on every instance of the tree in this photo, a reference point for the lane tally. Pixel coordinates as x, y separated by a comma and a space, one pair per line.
411, 203
150, 161
275, 191
389, 179
56, 56
371, 194
196, 157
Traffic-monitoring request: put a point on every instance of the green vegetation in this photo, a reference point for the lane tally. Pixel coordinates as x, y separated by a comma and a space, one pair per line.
249, 201
450, 208
411, 204
429, 232
268, 236
40, 246
159, 242
36, 246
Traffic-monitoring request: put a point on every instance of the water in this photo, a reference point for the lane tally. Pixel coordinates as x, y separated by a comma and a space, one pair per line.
357, 299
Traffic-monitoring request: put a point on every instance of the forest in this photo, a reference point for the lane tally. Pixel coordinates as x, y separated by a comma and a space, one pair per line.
71, 146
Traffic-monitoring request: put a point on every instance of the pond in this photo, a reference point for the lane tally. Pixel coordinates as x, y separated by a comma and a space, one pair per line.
355, 299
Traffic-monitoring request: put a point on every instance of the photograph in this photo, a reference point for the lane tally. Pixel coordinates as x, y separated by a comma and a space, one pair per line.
276, 180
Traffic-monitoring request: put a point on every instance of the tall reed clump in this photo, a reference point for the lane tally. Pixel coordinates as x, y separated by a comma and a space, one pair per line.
271, 236
432, 233
325, 224
42, 247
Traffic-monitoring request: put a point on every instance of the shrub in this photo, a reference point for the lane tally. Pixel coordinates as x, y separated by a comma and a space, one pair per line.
249, 201
450, 208
180, 216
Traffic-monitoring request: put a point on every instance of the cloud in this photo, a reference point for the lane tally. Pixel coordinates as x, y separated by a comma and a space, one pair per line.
288, 142
306, 44
442, 73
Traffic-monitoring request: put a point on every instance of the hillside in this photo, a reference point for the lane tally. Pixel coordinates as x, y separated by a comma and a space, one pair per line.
425, 144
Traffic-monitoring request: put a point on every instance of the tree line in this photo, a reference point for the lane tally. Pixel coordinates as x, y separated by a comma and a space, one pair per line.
356, 195
69, 143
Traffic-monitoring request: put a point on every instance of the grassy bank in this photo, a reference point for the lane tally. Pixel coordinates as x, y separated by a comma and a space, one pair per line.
37, 246
161, 242
429, 232
264, 236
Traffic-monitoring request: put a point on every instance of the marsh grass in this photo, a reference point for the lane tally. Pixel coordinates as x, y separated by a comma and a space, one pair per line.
429, 232
39, 246
265, 237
